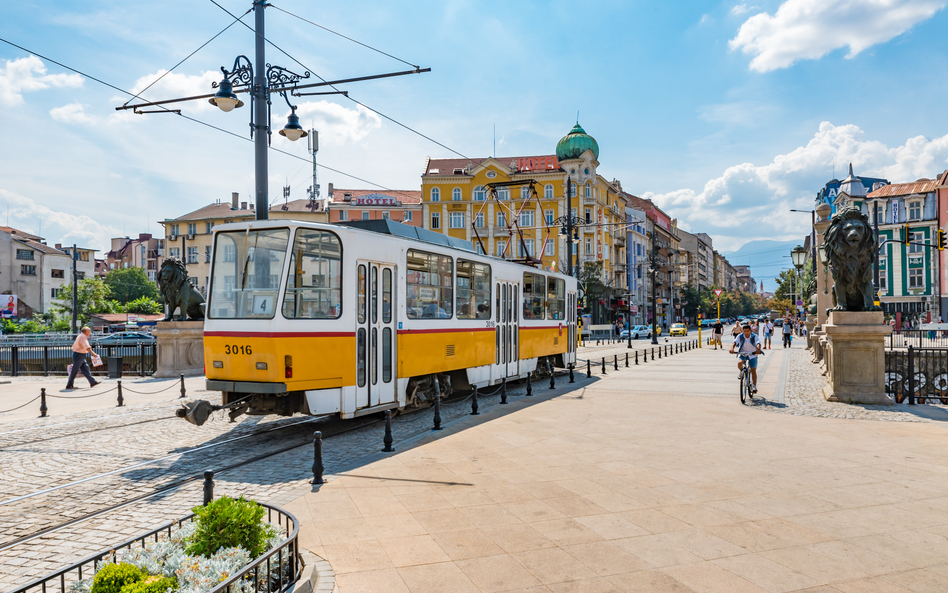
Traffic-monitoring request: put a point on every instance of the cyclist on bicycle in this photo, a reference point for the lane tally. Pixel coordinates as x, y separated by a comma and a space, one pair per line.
747, 345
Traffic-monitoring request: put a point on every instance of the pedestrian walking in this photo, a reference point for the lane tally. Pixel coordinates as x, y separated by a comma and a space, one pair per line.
717, 333
787, 332
80, 348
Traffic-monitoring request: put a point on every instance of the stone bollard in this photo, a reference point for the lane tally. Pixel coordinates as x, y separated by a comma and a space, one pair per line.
571, 379
603, 365
387, 440
437, 405
474, 406
503, 391
615, 362
529, 385
208, 487
121, 400
43, 408
318, 458
184, 392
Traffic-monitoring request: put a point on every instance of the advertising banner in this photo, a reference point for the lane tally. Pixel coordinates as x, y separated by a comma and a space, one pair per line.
8, 306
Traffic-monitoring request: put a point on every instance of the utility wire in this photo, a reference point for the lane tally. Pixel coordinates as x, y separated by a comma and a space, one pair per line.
203, 123
346, 95
416, 66
193, 52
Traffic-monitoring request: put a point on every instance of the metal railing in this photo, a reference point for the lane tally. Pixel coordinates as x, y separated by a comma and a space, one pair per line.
19, 360
918, 375
275, 571
919, 338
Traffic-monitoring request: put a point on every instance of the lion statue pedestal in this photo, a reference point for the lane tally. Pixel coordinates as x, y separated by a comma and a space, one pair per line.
855, 357
180, 348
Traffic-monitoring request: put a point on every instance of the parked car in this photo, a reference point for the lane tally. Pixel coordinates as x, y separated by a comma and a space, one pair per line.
678, 329
126, 338
778, 322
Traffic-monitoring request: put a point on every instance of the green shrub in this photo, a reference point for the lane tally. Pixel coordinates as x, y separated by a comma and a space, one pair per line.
151, 584
229, 523
112, 577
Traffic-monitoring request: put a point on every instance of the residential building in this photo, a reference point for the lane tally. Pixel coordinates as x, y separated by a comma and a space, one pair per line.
36, 273
941, 199
830, 192
908, 275
188, 238
705, 261
688, 259
467, 199
637, 246
145, 252
745, 282
368, 204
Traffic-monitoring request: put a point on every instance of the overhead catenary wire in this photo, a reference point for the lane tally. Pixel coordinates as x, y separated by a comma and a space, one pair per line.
179, 114
346, 95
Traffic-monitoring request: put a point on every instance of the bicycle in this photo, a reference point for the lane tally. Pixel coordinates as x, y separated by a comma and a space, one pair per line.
745, 384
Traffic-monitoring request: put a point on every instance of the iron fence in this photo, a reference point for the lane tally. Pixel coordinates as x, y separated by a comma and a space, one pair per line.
917, 375
918, 338
138, 358
275, 571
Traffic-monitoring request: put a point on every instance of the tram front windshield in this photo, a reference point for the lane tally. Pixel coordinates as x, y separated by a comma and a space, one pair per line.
247, 270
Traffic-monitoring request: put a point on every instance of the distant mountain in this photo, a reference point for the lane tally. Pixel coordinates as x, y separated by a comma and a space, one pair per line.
765, 258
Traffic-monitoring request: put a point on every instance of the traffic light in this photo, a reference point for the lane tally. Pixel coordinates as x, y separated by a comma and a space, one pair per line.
906, 235
942, 239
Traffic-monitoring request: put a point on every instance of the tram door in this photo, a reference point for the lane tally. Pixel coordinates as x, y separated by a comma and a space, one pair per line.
375, 333
571, 325
507, 330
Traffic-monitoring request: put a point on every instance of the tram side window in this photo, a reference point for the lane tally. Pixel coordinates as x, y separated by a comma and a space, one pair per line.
473, 290
534, 291
314, 288
248, 266
430, 285
556, 297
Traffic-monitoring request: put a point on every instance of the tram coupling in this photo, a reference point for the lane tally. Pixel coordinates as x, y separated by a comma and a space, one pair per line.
198, 411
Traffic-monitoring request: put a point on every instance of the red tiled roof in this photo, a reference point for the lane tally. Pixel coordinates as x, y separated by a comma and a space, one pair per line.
12, 231
446, 167
922, 186
224, 210
40, 247
405, 196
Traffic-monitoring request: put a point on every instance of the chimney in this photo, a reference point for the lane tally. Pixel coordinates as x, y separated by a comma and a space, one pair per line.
243, 205
233, 200
330, 191
59, 245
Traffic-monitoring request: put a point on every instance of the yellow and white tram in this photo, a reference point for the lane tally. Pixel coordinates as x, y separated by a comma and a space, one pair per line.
325, 319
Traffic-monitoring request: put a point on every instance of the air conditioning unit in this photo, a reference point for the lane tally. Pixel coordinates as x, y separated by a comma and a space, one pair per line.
191, 237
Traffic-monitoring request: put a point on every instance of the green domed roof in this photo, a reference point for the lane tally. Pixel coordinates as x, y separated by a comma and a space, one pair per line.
572, 145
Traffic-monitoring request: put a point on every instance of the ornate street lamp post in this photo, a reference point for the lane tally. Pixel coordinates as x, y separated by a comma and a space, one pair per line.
798, 256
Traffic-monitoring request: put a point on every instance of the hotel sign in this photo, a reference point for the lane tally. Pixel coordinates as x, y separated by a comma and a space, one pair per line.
375, 200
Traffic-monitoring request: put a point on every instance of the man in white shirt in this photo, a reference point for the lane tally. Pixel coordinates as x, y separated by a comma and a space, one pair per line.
747, 345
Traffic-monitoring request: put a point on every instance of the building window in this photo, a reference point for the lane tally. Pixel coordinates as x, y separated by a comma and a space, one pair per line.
175, 252
192, 228
435, 194
589, 216
435, 220
385, 215
915, 211
28, 270
55, 292
366, 214
501, 247
479, 220
174, 230
478, 248
456, 194
58, 274
501, 219
503, 193
916, 279
587, 194
24, 254
883, 282
343, 215
880, 213
480, 193
548, 215
406, 217
80, 275
207, 227
573, 193
548, 191
527, 219
550, 250
526, 248
457, 220
525, 192
589, 246
916, 242
207, 254
192, 255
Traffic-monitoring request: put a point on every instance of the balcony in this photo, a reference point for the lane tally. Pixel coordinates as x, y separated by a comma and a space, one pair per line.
619, 239
499, 231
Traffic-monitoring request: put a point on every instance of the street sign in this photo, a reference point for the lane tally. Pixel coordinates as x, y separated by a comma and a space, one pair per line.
799, 303
717, 292
635, 309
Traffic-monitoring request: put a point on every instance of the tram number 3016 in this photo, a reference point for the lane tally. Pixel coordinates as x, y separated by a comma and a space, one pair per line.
228, 349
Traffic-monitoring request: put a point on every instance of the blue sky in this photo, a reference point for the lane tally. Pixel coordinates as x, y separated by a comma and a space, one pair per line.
727, 114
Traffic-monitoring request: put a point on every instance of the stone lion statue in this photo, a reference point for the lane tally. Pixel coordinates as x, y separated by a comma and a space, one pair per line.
850, 245
178, 292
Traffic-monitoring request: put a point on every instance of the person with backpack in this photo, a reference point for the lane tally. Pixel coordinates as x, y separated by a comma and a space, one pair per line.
747, 345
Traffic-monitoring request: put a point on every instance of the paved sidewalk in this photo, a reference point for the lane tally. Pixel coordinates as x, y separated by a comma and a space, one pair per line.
654, 478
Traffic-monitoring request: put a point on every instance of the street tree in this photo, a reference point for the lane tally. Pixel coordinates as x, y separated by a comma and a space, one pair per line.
129, 284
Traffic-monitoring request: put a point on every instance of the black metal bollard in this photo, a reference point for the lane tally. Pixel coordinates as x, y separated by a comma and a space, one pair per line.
387, 440
121, 400
603, 365
474, 411
626, 360
43, 408
437, 405
645, 355
529, 385
571, 379
208, 487
184, 392
588, 369
636, 357
318, 458
503, 391
615, 362
659, 352
552, 379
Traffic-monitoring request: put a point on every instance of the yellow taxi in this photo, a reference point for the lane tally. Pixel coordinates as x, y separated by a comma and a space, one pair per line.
678, 329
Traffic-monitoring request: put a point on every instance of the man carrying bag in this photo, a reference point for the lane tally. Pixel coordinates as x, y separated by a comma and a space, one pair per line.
79, 350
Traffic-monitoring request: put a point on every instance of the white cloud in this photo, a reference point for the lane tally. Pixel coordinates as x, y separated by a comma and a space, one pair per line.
74, 113
743, 8
58, 226
336, 124
809, 29
29, 74
750, 202
175, 85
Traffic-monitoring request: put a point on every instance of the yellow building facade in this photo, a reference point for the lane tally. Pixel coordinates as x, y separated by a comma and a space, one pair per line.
457, 200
